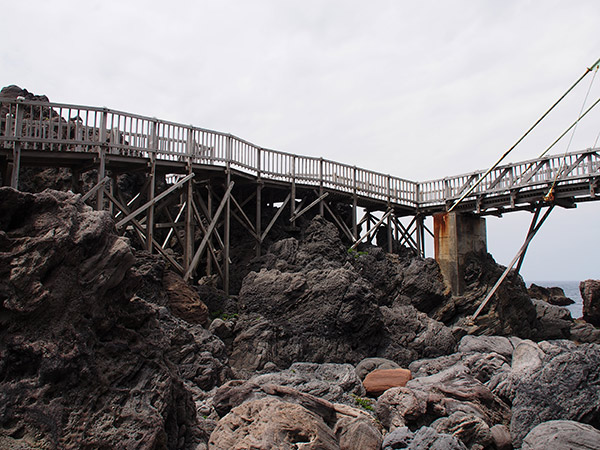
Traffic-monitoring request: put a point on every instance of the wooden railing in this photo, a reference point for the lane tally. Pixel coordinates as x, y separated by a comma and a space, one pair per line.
63, 127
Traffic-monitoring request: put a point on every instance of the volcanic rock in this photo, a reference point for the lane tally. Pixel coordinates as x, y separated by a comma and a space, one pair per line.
82, 358
509, 312
552, 381
590, 293
315, 306
424, 437
559, 434
553, 295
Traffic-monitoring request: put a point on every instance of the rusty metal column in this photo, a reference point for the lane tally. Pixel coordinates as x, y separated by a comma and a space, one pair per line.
16, 162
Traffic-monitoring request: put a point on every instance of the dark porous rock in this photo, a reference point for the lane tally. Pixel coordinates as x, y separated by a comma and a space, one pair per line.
558, 381
562, 434
555, 322
509, 312
411, 335
424, 437
82, 359
470, 429
368, 365
310, 302
590, 293
585, 332
553, 295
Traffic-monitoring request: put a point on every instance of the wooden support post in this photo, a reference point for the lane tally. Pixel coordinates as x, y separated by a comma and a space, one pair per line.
150, 213
295, 215
93, 190
277, 214
354, 205
390, 247
227, 227
340, 223
209, 216
102, 159
155, 200
321, 207
258, 226
209, 231
16, 156
372, 230
140, 229
293, 202
188, 251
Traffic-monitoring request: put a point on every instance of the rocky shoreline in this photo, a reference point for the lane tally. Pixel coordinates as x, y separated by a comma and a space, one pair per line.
102, 346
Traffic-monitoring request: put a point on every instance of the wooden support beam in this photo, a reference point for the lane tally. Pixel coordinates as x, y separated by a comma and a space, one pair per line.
150, 214
247, 222
141, 230
258, 227
277, 214
95, 189
530, 235
188, 249
375, 227
209, 231
155, 200
170, 233
340, 223
211, 248
297, 214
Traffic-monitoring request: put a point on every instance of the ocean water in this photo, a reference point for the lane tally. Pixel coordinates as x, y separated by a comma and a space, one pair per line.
571, 289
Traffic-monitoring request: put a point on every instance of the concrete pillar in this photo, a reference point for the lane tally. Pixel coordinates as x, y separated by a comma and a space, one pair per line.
457, 235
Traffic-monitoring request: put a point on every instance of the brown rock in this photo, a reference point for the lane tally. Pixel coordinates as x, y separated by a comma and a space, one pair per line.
184, 301
269, 423
379, 381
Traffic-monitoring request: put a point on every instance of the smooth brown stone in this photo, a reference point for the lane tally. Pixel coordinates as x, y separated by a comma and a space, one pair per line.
379, 381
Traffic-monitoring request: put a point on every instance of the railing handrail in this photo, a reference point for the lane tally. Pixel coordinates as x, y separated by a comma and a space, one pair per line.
168, 139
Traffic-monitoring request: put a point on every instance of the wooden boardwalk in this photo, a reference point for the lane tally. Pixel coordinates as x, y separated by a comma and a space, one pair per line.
215, 177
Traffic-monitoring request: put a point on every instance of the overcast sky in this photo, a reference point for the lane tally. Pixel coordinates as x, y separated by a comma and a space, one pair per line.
417, 89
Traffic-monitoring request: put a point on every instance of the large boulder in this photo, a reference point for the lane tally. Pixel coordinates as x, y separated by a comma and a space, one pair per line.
552, 381
553, 295
562, 434
283, 418
310, 302
590, 293
82, 358
424, 437
555, 322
